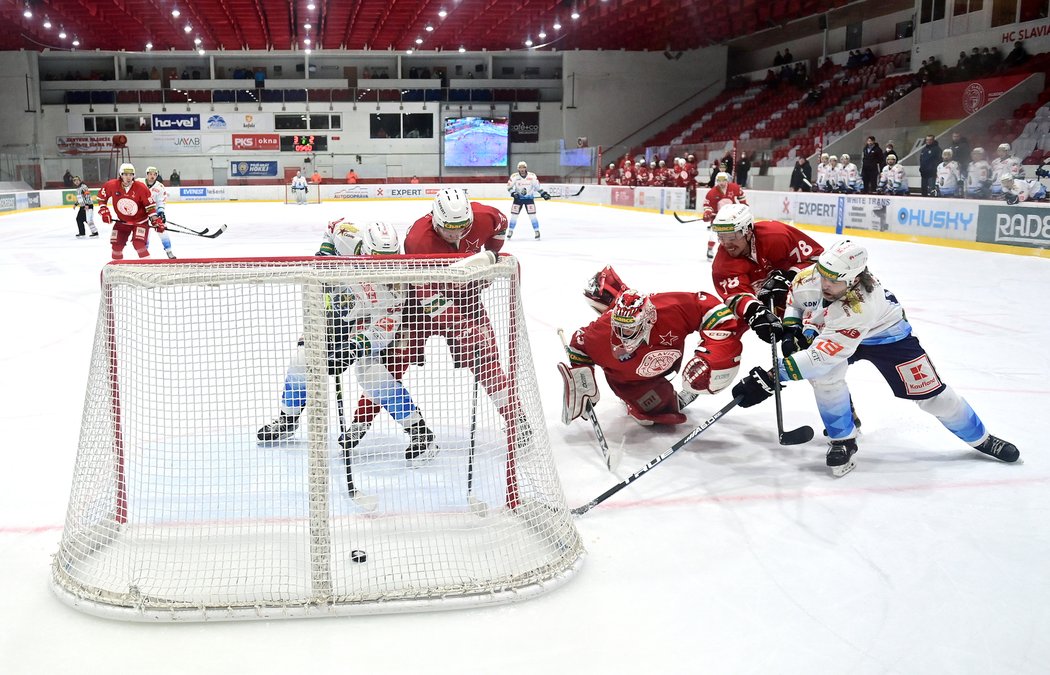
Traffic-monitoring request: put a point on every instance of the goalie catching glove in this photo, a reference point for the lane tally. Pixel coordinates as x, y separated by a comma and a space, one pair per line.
580, 389
603, 289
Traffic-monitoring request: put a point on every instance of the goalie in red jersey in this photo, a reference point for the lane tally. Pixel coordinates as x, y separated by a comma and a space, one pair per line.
452, 311
639, 341
755, 264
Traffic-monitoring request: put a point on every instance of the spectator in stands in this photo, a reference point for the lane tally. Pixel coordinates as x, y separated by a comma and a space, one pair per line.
771, 80
802, 175
175, 179
788, 58
315, 178
868, 58
960, 148
929, 159
871, 163
715, 168
827, 65
415, 180
67, 179
889, 149
727, 163
742, 169
1017, 56
962, 67
815, 95
976, 65
778, 60
351, 177
260, 78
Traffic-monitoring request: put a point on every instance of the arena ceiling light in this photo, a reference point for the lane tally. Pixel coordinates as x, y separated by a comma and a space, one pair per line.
27, 12
462, 49
542, 34
308, 25
149, 46
311, 6
187, 28
429, 28
175, 12
557, 24
442, 12
47, 22
196, 41
62, 33
76, 41
419, 40
528, 41
575, 14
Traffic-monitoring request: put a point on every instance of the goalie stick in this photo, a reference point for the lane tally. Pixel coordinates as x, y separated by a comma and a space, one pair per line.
366, 502
803, 434
573, 194
580, 510
207, 233
588, 412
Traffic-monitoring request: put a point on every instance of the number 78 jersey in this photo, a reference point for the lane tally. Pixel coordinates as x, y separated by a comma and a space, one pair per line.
774, 246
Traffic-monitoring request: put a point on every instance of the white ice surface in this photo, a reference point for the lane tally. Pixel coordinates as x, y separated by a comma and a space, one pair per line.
736, 555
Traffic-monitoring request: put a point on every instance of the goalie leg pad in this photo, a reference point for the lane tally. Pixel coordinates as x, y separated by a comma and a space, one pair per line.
580, 387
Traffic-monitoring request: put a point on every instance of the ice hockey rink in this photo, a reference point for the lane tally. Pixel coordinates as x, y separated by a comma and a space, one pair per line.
736, 555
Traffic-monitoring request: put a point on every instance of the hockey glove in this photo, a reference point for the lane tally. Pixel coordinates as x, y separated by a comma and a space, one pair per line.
1012, 199
775, 287
156, 222
103, 213
755, 388
545, 194
160, 214
795, 339
764, 322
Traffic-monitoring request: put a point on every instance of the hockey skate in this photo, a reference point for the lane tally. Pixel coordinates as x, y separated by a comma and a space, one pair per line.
840, 456
281, 429
349, 439
510, 233
998, 448
421, 448
81, 236
93, 234
171, 255
537, 234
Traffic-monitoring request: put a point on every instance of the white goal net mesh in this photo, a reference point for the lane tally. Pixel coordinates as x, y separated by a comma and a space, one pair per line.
187, 504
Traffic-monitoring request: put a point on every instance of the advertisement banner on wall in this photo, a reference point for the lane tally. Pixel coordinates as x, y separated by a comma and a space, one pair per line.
864, 212
962, 99
352, 192
8, 202
202, 193
176, 122
945, 219
1014, 226
178, 144
524, 127
253, 169
84, 144
271, 142
257, 121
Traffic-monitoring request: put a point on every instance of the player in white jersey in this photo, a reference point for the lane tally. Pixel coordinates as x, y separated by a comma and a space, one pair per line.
160, 198
832, 176
822, 172
851, 182
978, 176
1016, 190
893, 180
523, 187
1005, 164
299, 187
949, 179
362, 320
85, 208
838, 313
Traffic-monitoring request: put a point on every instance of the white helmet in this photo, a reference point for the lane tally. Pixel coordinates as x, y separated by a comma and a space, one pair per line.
733, 218
452, 214
379, 238
126, 168
152, 169
891, 156
843, 262
1004, 147
1007, 179
522, 165
947, 153
823, 156
844, 158
978, 151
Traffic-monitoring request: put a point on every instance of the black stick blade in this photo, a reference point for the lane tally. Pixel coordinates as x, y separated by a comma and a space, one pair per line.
798, 436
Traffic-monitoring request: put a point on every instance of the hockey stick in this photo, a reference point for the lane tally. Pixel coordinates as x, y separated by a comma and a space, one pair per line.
366, 502
588, 412
573, 194
803, 434
477, 507
580, 510
206, 232
686, 220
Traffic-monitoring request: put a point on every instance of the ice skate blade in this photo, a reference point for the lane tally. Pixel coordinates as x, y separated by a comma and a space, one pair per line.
842, 470
423, 459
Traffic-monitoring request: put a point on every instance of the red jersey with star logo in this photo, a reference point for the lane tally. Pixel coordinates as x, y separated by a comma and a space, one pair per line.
677, 316
488, 231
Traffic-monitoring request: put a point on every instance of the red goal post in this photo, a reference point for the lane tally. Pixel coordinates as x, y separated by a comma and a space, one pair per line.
178, 512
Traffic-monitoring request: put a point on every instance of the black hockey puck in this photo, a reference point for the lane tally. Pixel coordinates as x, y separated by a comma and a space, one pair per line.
358, 556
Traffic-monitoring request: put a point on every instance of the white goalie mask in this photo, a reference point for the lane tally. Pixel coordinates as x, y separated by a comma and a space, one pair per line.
633, 317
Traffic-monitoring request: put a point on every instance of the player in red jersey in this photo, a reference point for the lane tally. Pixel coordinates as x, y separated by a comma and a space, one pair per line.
136, 212
639, 341
454, 312
755, 263
724, 192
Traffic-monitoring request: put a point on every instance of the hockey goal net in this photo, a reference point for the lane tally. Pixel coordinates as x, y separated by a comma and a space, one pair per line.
311, 196
179, 512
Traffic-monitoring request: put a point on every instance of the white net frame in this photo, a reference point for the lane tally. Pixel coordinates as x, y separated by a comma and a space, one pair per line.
178, 512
